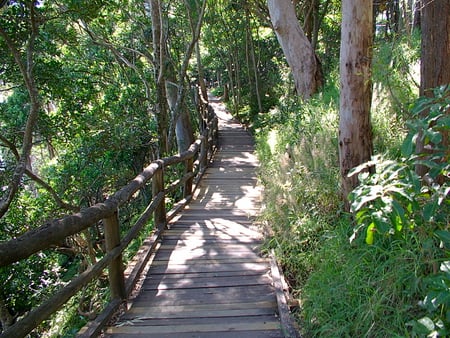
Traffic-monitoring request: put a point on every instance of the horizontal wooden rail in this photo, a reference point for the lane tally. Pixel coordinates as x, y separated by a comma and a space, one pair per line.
54, 232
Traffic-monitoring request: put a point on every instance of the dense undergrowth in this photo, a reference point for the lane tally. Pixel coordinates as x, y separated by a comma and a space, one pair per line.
382, 270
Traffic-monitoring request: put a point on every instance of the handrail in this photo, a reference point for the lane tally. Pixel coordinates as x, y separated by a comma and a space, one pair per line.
195, 160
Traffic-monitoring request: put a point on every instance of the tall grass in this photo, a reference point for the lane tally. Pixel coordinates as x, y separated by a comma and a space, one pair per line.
345, 289
300, 176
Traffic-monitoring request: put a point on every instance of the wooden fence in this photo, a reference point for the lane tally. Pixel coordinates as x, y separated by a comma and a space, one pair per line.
195, 161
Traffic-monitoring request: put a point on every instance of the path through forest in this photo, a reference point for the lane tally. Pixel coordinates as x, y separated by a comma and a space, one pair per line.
208, 278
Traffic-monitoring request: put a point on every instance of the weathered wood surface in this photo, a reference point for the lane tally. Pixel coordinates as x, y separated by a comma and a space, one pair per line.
208, 278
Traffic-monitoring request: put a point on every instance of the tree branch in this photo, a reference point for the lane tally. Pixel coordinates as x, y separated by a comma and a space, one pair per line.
46, 186
38, 180
26, 71
196, 29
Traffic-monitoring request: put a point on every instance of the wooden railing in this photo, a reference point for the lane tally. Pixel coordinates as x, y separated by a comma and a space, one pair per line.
195, 160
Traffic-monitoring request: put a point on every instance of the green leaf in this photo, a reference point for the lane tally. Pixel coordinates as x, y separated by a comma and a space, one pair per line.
429, 211
445, 266
371, 230
444, 236
427, 323
421, 104
408, 145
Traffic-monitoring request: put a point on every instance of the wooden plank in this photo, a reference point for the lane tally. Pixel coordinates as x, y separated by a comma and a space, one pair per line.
213, 282
196, 230
240, 334
163, 268
210, 327
210, 243
283, 309
224, 214
215, 223
198, 296
204, 314
194, 261
202, 254
205, 274
151, 298
220, 237
156, 310
228, 321
177, 244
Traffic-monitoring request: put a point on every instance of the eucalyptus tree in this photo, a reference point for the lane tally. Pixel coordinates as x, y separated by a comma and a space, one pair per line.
355, 131
159, 38
299, 52
181, 121
434, 71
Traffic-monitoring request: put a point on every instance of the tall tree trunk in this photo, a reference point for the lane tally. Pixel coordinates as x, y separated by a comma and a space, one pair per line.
180, 117
297, 49
417, 14
355, 133
435, 57
251, 55
201, 73
159, 59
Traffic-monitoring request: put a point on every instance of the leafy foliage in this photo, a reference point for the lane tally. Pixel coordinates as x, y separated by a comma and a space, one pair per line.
396, 204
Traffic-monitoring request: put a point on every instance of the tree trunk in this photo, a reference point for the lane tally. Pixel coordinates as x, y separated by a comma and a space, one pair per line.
435, 65
201, 73
297, 49
417, 15
435, 58
251, 54
355, 134
180, 117
159, 59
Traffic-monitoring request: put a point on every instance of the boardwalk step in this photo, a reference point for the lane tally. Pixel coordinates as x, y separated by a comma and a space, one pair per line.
234, 325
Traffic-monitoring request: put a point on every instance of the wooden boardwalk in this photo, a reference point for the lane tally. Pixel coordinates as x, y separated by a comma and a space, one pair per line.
207, 278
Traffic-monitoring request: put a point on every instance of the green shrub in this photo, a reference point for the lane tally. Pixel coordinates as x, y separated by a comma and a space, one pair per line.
395, 205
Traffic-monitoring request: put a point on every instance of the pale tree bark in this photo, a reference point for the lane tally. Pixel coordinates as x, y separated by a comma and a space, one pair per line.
355, 133
435, 58
296, 47
201, 73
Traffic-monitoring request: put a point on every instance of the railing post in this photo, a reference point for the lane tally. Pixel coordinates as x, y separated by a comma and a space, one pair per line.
157, 187
213, 134
112, 239
204, 153
187, 191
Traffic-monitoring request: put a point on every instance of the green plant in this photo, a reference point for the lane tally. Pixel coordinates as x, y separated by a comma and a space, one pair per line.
395, 204
361, 290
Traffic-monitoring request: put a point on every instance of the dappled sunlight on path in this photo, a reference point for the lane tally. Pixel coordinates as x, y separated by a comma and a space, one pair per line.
208, 278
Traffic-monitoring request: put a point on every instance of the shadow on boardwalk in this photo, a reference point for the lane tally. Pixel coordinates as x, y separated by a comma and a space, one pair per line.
207, 278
